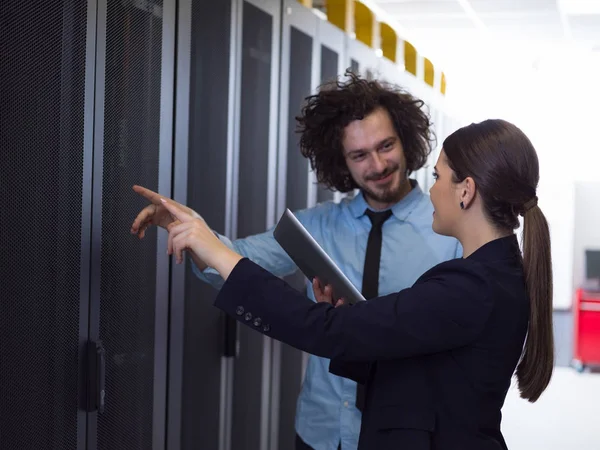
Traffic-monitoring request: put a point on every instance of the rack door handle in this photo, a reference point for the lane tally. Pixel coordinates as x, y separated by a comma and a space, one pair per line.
96, 373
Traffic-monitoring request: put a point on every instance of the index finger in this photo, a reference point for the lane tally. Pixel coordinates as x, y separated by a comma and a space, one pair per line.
175, 211
154, 197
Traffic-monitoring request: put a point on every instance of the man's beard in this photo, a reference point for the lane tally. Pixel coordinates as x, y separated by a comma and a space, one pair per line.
389, 194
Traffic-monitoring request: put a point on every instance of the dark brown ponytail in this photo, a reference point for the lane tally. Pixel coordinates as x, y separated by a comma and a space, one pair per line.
535, 369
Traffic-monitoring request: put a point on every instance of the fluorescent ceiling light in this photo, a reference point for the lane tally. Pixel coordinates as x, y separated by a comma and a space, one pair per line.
468, 9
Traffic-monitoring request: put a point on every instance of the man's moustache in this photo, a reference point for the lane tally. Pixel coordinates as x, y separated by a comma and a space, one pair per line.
382, 175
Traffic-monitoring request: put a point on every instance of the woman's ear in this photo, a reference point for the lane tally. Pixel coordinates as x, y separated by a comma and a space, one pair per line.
467, 192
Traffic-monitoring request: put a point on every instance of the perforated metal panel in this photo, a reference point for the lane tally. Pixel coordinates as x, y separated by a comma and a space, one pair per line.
299, 46
42, 71
257, 60
299, 88
254, 120
329, 72
207, 172
128, 266
300, 74
329, 64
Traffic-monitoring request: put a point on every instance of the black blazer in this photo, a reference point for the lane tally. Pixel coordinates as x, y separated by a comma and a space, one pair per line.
437, 359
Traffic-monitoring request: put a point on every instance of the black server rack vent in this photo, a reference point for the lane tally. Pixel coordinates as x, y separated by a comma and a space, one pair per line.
42, 72
128, 266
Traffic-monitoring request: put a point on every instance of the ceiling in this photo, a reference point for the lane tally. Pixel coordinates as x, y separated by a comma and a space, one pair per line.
452, 31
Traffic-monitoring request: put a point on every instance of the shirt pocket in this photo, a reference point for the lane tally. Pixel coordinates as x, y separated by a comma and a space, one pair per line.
399, 427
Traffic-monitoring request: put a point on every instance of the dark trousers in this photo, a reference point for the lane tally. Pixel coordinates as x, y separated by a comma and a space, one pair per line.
301, 445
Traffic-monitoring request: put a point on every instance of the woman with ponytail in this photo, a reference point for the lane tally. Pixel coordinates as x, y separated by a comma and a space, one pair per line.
436, 359
501, 165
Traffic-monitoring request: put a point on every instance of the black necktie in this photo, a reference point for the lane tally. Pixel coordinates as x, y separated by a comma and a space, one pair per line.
370, 284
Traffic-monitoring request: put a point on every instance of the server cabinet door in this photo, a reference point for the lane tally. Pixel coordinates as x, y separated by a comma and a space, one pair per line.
45, 159
300, 64
202, 340
331, 41
298, 76
129, 296
255, 203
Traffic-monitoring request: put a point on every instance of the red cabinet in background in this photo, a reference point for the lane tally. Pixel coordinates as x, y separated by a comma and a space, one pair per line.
586, 313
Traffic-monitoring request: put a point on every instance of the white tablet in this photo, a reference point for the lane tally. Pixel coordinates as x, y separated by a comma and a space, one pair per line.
311, 259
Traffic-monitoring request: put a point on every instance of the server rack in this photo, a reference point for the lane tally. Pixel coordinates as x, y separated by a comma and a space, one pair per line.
129, 278
202, 340
45, 158
258, 78
300, 67
88, 109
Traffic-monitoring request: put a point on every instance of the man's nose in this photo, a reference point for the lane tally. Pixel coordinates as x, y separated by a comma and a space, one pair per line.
379, 163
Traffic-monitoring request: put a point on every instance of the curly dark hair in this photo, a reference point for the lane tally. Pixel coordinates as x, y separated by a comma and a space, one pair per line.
326, 114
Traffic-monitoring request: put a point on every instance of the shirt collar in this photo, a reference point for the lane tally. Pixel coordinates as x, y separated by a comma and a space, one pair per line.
401, 210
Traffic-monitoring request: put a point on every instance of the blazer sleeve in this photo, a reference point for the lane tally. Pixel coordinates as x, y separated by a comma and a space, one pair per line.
446, 308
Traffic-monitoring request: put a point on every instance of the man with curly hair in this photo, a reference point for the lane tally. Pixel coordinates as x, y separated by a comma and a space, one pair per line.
358, 134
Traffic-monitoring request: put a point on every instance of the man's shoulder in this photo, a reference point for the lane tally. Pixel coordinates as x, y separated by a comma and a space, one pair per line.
321, 213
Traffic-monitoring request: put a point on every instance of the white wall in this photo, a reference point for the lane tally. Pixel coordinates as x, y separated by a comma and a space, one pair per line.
587, 226
556, 193
555, 102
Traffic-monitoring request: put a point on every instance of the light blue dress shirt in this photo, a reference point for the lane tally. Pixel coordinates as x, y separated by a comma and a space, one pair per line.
326, 413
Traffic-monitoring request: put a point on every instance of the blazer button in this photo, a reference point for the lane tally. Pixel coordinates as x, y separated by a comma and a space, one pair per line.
248, 316
267, 328
240, 310
257, 322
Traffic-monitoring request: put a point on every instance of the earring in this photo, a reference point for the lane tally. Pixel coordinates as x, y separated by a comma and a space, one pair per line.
462, 205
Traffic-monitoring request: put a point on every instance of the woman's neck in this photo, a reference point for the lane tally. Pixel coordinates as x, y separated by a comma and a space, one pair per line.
478, 235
